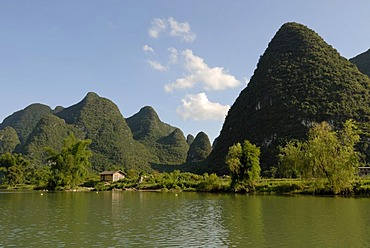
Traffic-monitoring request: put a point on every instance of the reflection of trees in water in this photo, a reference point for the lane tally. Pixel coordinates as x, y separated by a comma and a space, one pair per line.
243, 217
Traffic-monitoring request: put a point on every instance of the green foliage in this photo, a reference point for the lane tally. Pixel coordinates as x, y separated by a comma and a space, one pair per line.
146, 141
25, 120
112, 141
49, 132
69, 167
146, 125
38, 176
166, 142
243, 162
174, 181
13, 168
299, 80
8, 140
289, 159
212, 183
200, 148
326, 154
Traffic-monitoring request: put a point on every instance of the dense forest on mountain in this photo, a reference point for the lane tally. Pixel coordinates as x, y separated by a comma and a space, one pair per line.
138, 142
362, 61
299, 80
200, 148
167, 142
24, 121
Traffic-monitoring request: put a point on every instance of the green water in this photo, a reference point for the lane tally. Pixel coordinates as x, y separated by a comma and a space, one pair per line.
152, 219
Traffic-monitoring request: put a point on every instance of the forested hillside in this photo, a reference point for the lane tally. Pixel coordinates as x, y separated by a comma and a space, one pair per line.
362, 61
299, 79
137, 142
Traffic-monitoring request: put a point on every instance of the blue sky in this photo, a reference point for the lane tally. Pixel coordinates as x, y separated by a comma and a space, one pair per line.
188, 59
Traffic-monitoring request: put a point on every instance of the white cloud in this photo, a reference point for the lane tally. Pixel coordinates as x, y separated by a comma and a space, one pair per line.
215, 78
198, 107
158, 26
181, 29
156, 65
147, 48
174, 55
175, 29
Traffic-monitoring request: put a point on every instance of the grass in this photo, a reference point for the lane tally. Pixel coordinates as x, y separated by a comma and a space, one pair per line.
185, 181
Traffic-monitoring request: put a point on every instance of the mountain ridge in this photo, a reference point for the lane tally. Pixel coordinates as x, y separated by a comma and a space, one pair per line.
146, 141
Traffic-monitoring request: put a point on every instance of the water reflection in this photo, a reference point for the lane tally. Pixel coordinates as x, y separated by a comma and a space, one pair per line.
147, 219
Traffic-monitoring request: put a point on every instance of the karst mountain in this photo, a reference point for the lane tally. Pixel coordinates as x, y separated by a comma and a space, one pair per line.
299, 80
137, 142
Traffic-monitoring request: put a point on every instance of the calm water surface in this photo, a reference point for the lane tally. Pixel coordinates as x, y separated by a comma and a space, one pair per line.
152, 219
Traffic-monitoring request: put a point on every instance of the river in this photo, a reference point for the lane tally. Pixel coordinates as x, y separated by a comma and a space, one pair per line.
154, 219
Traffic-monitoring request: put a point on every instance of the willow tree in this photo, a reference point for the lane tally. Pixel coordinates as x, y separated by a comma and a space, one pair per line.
69, 167
327, 154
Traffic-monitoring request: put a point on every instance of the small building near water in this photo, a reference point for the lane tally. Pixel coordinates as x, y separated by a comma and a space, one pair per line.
111, 176
364, 171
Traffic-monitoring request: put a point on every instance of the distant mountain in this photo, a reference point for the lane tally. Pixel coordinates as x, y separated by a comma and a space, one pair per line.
146, 125
138, 142
164, 141
363, 62
25, 120
300, 79
200, 148
190, 139
112, 140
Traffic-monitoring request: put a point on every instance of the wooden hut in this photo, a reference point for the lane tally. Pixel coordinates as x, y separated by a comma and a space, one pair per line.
111, 176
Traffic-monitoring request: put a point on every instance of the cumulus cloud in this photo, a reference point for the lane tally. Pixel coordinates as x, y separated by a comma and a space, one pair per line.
158, 26
198, 107
181, 30
174, 55
147, 48
215, 78
173, 27
156, 65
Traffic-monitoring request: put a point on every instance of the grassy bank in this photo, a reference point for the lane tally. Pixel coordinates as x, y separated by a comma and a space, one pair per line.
185, 181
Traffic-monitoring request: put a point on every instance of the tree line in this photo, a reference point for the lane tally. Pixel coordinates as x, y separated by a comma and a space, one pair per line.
65, 169
327, 158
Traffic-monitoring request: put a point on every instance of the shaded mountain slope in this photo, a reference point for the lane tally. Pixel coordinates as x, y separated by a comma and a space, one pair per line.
49, 132
164, 141
8, 140
200, 148
300, 79
25, 120
362, 61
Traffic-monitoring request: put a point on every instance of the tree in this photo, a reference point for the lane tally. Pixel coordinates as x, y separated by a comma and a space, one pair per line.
13, 168
326, 154
243, 162
288, 157
8, 140
69, 167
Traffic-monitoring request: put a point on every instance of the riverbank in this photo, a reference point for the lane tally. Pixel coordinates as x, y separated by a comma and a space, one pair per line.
188, 182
